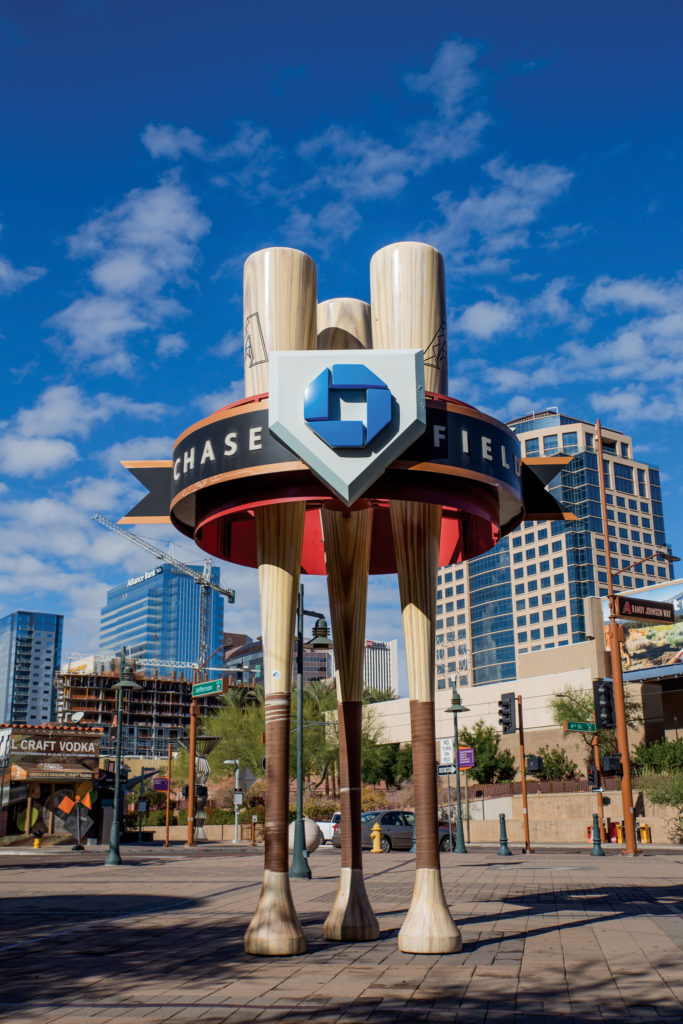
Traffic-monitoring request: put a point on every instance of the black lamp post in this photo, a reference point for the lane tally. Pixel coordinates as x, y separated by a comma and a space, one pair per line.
455, 709
299, 867
126, 682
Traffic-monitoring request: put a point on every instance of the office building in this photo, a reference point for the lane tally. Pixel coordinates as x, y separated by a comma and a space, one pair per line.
157, 616
528, 593
153, 716
244, 665
30, 653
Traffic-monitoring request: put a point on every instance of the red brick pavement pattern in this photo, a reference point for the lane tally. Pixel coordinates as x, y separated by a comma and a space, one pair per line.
548, 937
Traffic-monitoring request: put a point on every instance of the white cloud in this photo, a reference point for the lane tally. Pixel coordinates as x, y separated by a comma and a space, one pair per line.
145, 245
214, 400
316, 231
485, 225
562, 235
13, 279
166, 140
35, 457
484, 319
170, 345
450, 77
35, 441
67, 410
634, 293
230, 345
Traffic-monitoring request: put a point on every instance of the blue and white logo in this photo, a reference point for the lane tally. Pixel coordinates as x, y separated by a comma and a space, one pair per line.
347, 414
332, 393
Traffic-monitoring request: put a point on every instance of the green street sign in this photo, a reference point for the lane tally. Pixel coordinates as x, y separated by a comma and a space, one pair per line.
202, 689
579, 726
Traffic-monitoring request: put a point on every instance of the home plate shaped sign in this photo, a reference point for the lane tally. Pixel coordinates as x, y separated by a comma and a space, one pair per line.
347, 414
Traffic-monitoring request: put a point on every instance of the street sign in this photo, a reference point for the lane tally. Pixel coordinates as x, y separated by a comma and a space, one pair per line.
465, 758
212, 686
160, 785
239, 797
446, 751
142, 806
644, 610
579, 727
446, 769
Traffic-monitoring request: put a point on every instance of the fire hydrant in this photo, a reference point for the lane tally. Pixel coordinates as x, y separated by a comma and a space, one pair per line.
37, 835
376, 836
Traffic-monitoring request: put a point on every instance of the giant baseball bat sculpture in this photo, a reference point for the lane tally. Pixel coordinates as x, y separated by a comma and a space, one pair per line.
345, 324
279, 315
408, 299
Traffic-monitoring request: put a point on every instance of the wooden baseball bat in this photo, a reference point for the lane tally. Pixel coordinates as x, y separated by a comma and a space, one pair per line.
279, 315
345, 324
408, 299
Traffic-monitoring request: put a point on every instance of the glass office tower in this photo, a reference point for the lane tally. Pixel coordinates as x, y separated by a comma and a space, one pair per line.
527, 593
30, 654
157, 616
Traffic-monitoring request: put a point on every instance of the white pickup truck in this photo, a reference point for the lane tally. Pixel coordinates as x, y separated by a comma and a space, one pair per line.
327, 827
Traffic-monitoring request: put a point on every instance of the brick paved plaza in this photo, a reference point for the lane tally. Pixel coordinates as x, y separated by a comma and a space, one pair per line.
551, 936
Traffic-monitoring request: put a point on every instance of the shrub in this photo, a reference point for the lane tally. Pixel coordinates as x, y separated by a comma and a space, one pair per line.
556, 765
320, 810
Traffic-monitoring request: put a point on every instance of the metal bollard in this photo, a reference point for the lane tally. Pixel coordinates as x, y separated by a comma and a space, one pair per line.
597, 850
504, 850
376, 836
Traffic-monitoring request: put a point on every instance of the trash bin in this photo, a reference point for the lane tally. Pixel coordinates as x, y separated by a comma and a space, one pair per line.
620, 831
612, 831
644, 833
589, 833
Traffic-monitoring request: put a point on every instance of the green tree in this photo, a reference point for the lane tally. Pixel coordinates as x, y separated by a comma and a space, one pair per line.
491, 764
574, 705
662, 757
386, 762
556, 765
667, 791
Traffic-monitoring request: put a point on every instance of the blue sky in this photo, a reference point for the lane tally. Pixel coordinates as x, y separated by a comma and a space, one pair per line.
147, 149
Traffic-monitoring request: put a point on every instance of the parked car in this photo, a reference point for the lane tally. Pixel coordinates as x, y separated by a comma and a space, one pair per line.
327, 827
397, 831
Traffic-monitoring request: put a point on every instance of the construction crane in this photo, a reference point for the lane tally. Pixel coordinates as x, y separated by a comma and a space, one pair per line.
202, 578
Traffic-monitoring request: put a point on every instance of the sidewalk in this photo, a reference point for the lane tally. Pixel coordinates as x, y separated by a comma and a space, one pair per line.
547, 937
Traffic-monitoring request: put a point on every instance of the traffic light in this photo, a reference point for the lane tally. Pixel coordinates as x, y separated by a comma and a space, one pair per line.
507, 713
534, 764
185, 792
603, 701
611, 764
202, 792
593, 776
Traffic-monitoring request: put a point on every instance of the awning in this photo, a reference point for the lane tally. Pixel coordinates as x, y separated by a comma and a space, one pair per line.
50, 771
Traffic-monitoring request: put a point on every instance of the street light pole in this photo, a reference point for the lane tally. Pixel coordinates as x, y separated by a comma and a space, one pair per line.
299, 867
236, 762
126, 682
455, 709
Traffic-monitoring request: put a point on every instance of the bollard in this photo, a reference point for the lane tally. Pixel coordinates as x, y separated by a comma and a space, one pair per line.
597, 850
504, 850
36, 842
376, 836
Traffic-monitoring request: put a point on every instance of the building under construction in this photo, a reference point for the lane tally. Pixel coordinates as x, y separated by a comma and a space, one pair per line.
153, 716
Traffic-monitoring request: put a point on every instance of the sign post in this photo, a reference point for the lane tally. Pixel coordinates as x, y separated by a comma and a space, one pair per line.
203, 689
579, 726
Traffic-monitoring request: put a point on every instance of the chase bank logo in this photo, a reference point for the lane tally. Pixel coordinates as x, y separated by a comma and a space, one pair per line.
331, 399
347, 415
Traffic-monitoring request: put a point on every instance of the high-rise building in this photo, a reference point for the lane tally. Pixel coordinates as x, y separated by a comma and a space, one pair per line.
244, 665
30, 652
527, 593
157, 616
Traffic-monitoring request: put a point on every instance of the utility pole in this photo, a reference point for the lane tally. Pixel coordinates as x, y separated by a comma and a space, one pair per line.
616, 633
522, 763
